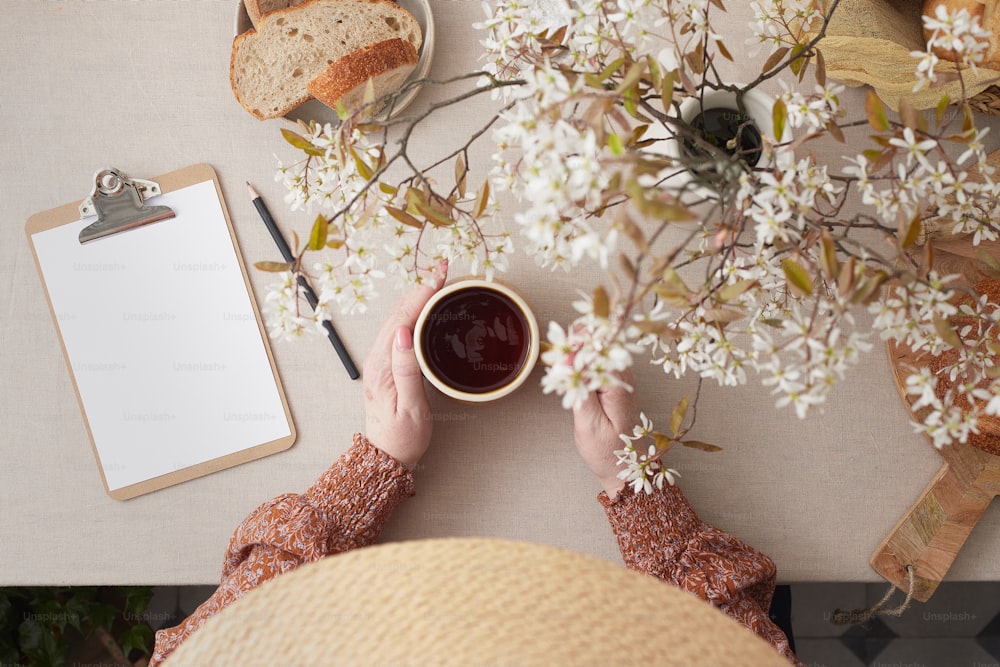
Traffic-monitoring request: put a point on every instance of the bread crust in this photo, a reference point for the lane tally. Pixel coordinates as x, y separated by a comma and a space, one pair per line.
257, 9
353, 71
241, 72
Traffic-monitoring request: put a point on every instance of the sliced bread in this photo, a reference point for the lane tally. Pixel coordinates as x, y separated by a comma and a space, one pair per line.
256, 9
386, 64
271, 67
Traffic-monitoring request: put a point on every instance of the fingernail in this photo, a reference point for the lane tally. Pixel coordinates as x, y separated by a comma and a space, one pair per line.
404, 339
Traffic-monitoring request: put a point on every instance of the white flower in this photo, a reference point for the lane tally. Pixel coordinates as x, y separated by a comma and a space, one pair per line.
643, 472
914, 149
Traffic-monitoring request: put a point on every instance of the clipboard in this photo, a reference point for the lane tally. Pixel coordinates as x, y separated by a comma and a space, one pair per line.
162, 337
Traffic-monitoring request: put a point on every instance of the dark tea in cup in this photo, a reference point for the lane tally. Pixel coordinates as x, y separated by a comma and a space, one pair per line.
476, 340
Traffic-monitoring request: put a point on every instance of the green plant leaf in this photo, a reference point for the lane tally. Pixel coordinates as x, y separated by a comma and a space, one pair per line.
730, 292
615, 144
631, 78
942, 109
828, 257
273, 267
798, 63
320, 230
137, 598
103, 615
779, 115
798, 278
138, 637
295, 139
667, 91
875, 111
404, 217
677, 415
362, 166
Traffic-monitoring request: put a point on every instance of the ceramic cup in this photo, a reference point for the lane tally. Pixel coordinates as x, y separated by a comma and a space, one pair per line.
476, 340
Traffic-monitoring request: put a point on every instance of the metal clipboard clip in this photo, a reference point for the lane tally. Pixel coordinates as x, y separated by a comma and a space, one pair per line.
118, 203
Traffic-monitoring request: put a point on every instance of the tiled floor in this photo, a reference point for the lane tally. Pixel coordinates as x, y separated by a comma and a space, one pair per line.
958, 627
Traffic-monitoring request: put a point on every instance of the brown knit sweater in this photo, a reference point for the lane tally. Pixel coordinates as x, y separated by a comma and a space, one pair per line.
658, 534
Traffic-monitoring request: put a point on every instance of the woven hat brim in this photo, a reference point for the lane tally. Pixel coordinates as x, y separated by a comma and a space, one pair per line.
468, 602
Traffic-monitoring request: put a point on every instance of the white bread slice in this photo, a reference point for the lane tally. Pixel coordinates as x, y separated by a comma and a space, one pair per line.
256, 9
271, 66
386, 64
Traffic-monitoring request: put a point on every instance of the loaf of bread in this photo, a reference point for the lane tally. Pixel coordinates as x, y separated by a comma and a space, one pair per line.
988, 12
257, 9
271, 67
386, 64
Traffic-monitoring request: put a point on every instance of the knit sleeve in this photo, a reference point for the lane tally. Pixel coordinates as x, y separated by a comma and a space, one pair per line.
345, 508
660, 534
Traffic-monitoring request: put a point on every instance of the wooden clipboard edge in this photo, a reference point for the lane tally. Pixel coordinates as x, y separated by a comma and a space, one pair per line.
175, 180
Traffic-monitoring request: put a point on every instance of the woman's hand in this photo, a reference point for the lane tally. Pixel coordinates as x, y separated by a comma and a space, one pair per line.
597, 423
397, 415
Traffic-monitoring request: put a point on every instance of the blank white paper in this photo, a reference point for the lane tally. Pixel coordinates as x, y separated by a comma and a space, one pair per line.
162, 339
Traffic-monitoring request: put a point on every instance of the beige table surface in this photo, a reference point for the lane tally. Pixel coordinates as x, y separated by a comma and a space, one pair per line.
143, 85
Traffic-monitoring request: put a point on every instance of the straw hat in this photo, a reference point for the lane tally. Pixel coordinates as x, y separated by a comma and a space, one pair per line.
469, 602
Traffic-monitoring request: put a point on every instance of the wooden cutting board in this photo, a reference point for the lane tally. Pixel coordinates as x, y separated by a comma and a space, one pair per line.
931, 533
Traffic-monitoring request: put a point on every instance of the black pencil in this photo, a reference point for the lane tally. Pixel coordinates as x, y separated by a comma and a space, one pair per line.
286, 253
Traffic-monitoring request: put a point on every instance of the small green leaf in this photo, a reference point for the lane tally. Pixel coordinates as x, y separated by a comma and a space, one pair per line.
678, 415
296, 140
273, 267
667, 92
404, 217
875, 111
942, 108
779, 115
320, 230
798, 62
363, 168
138, 637
798, 278
828, 257
730, 292
615, 144
631, 78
